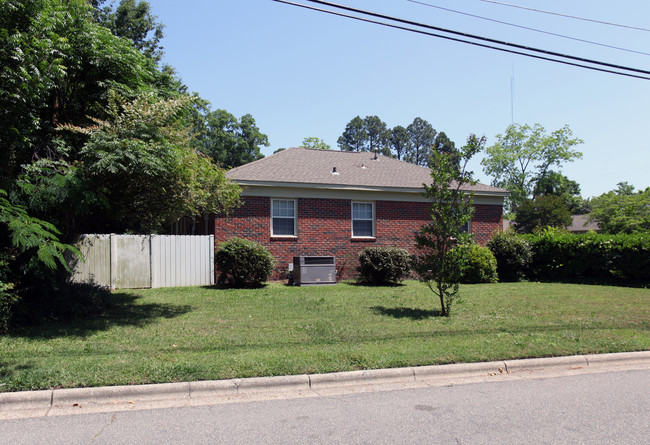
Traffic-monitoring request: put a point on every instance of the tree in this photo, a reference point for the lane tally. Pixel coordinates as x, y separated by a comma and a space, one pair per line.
133, 20
368, 134
622, 210
26, 245
436, 264
229, 142
524, 155
541, 212
377, 135
25, 233
354, 136
58, 66
139, 172
422, 137
399, 141
442, 144
554, 183
315, 144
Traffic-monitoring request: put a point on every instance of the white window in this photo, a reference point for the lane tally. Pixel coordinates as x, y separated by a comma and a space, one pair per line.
363, 219
283, 217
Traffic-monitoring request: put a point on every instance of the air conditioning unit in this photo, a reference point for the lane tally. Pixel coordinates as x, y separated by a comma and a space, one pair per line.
314, 270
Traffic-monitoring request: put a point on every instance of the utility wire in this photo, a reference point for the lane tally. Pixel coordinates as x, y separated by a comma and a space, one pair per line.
566, 15
462, 34
482, 45
528, 28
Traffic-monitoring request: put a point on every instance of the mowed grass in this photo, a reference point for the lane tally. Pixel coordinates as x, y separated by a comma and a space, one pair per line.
186, 334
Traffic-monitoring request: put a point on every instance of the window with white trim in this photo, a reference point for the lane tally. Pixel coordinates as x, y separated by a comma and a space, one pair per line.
363, 219
283, 217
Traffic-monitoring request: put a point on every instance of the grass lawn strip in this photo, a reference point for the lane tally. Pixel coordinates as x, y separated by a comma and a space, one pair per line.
186, 334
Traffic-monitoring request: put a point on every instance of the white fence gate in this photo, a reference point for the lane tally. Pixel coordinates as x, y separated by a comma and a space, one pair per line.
140, 261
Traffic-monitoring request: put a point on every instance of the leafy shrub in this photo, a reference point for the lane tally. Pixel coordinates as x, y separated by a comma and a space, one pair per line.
384, 265
478, 265
562, 256
513, 255
7, 300
243, 263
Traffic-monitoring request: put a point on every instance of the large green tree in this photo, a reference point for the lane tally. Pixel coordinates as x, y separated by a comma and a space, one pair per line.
354, 136
59, 66
368, 134
133, 20
315, 143
554, 183
442, 144
378, 135
422, 137
622, 210
399, 141
231, 142
93, 134
541, 212
523, 155
138, 172
451, 209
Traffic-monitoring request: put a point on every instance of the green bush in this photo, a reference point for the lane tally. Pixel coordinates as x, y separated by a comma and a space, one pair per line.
243, 263
513, 254
384, 265
7, 300
478, 265
562, 256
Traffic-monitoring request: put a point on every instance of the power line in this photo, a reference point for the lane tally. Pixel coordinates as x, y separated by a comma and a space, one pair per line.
566, 15
528, 28
550, 53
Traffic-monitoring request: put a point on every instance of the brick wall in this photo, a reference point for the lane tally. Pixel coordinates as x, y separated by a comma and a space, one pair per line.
324, 228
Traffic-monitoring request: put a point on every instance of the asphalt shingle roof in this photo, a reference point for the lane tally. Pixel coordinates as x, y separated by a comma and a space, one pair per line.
307, 166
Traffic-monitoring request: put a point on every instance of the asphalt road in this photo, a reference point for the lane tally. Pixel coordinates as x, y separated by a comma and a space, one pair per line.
599, 408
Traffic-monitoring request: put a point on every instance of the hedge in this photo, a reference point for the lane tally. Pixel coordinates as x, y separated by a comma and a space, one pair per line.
559, 256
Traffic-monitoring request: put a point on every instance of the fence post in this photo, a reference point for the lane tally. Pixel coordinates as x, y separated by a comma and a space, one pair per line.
151, 262
211, 265
113, 255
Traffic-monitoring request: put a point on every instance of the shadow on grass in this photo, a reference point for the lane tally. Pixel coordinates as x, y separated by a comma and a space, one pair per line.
406, 312
221, 286
122, 310
590, 281
364, 284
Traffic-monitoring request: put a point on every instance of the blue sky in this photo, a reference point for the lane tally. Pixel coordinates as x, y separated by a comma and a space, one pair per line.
300, 73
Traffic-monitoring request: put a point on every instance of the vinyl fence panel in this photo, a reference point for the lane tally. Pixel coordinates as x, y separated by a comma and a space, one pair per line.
96, 250
182, 260
139, 261
133, 259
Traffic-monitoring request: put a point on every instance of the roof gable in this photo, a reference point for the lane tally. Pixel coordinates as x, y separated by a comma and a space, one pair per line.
338, 168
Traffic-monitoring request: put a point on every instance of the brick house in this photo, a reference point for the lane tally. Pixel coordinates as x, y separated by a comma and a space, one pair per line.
319, 202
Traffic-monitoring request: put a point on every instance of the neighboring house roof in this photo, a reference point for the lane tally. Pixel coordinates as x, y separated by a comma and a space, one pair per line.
581, 223
344, 169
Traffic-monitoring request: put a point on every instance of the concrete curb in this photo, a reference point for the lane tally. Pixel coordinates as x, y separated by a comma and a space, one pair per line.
40, 403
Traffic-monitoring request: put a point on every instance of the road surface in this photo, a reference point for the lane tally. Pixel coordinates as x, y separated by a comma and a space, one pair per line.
599, 408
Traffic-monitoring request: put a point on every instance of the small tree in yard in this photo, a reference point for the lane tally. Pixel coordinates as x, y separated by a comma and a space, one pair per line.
451, 211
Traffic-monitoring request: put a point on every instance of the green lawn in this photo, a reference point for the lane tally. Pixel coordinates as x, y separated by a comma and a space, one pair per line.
181, 334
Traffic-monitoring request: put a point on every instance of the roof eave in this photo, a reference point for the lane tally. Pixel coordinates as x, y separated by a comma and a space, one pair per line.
318, 186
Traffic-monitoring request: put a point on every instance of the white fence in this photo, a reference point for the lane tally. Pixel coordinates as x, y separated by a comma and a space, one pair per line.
140, 261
